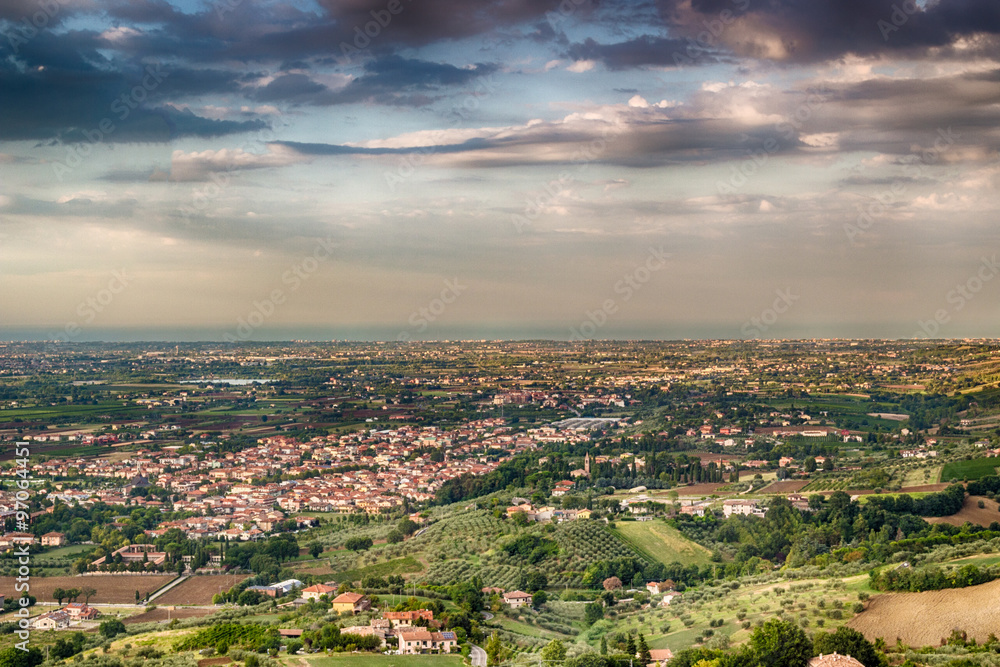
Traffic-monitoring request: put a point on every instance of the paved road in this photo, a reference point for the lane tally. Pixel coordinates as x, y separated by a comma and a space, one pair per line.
478, 656
487, 616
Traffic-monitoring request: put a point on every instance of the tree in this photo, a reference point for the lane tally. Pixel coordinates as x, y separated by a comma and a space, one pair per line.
315, 549
593, 612
810, 464
494, 650
73, 594
644, 656
111, 628
848, 641
394, 537
554, 651
88, 593
359, 543
589, 659
539, 598
612, 583
779, 643
58, 595
15, 657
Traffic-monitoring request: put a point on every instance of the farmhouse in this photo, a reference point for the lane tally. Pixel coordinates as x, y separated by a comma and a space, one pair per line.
80, 611
53, 539
354, 603
834, 660
406, 619
316, 591
517, 599
744, 507
422, 641
660, 657
655, 587
52, 620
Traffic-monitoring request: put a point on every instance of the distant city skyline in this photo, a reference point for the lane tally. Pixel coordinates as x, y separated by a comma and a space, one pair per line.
395, 170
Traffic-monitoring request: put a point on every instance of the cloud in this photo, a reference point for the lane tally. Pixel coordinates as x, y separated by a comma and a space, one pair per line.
198, 166
818, 30
389, 80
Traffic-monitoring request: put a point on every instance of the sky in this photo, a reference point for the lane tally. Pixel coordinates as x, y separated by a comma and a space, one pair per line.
440, 169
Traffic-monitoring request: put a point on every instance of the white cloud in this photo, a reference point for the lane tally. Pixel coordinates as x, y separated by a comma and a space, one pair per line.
199, 165
581, 66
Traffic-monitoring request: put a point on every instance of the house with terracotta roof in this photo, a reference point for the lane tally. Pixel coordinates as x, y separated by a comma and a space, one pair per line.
422, 641
354, 603
517, 599
834, 660
406, 619
660, 657
53, 539
80, 611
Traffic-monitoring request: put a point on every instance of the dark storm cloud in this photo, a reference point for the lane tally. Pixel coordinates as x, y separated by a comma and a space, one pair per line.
798, 31
59, 86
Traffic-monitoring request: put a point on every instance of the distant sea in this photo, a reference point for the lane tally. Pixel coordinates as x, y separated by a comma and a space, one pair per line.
612, 331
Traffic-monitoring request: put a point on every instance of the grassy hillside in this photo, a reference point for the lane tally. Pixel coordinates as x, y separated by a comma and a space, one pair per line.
658, 541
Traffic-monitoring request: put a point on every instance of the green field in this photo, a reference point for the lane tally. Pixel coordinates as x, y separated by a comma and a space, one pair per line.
374, 660
660, 542
974, 469
407, 565
70, 551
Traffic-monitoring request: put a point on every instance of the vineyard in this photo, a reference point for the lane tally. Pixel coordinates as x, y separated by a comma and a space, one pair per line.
230, 634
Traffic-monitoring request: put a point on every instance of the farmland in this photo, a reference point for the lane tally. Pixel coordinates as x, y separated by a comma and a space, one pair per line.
658, 541
971, 512
199, 590
116, 589
920, 619
969, 469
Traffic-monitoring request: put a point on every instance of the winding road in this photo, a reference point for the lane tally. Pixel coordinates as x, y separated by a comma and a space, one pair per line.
477, 656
